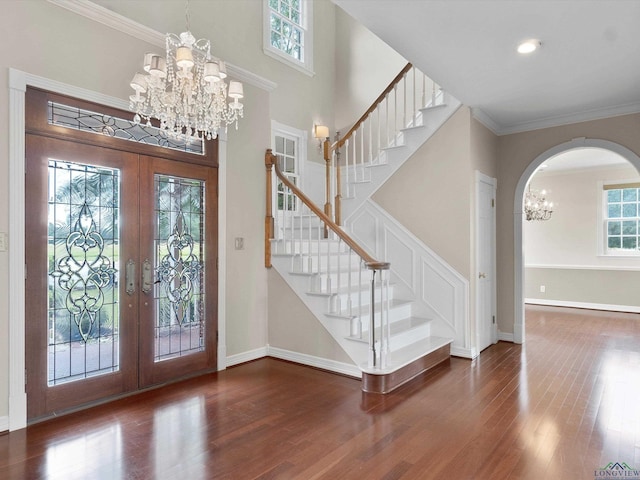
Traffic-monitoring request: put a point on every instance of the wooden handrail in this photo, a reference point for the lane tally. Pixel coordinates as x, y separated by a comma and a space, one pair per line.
370, 262
373, 106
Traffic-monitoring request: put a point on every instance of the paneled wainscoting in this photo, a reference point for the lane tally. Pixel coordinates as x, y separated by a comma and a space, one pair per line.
562, 406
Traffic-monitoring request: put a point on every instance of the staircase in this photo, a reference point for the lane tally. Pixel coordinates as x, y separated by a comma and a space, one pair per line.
366, 306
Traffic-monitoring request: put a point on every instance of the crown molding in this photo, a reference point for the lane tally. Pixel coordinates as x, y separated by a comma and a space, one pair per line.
134, 29
584, 116
555, 121
486, 120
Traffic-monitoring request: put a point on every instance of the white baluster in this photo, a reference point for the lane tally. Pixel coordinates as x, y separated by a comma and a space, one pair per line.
328, 265
360, 299
404, 100
386, 102
362, 151
349, 287
395, 115
424, 91
415, 97
370, 140
338, 306
379, 152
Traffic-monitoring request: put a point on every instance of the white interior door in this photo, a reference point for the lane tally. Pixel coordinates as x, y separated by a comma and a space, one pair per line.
485, 261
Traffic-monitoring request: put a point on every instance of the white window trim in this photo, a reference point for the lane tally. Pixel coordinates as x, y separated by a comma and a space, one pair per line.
305, 67
603, 249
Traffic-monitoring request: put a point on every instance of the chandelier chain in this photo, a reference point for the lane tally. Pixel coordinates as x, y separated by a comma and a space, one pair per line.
187, 15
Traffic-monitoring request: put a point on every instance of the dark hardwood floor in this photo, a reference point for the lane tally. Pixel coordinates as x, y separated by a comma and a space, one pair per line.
560, 407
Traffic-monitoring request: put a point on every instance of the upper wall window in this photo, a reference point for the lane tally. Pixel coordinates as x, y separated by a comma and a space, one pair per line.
288, 34
622, 218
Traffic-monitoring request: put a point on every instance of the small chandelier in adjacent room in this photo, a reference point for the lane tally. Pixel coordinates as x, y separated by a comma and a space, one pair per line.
186, 89
536, 206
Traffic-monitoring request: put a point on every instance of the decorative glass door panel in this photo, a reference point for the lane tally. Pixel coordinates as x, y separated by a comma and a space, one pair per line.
81, 342
178, 245
83, 258
179, 258
121, 272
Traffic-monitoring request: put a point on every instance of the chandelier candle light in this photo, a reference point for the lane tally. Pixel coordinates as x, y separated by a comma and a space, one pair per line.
536, 207
186, 89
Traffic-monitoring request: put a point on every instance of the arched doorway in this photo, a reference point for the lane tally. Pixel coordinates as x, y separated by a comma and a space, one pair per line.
519, 300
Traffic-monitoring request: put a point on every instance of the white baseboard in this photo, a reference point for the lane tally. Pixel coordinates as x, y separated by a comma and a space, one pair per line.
464, 352
310, 360
505, 337
301, 358
590, 306
246, 356
4, 424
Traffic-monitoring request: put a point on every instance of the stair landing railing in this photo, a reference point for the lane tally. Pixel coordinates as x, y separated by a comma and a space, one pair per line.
400, 106
355, 284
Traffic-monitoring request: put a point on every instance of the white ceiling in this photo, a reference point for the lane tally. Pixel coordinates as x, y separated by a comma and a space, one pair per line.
588, 66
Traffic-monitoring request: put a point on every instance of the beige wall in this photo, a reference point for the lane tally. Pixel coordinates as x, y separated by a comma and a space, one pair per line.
484, 149
430, 193
516, 152
62, 46
579, 285
570, 236
293, 327
563, 254
365, 65
433, 193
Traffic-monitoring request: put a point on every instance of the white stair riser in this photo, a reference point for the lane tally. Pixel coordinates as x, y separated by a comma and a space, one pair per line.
397, 313
320, 264
405, 338
288, 247
362, 296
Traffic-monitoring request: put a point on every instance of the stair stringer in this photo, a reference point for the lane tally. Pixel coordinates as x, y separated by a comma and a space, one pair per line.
404, 145
436, 289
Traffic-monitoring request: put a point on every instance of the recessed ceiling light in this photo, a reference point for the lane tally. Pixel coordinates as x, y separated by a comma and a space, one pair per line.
529, 46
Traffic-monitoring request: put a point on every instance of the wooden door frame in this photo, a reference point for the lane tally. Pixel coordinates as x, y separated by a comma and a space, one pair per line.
18, 83
482, 178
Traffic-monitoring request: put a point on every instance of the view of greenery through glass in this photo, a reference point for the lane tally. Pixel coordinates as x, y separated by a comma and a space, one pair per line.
623, 218
179, 256
286, 27
83, 263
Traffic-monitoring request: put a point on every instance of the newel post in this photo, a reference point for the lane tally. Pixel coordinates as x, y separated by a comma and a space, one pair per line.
327, 206
338, 198
269, 159
379, 332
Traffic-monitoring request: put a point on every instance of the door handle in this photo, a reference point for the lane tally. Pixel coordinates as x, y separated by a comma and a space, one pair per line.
482, 275
130, 277
147, 284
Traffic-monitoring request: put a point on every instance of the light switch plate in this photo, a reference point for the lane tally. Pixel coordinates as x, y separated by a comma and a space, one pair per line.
239, 243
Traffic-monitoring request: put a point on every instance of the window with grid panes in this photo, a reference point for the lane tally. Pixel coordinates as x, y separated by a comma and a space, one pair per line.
622, 218
285, 149
288, 32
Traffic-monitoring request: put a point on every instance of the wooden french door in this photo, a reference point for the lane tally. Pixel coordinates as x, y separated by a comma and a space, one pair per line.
121, 276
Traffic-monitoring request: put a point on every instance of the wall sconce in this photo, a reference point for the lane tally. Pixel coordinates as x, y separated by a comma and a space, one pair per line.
321, 132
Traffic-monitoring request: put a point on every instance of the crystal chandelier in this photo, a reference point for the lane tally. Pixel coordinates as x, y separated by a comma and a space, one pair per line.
186, 89
536, 207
